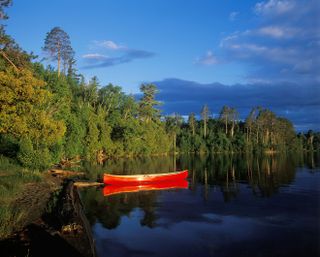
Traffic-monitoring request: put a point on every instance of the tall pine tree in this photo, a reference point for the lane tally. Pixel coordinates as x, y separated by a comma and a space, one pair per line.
57, 44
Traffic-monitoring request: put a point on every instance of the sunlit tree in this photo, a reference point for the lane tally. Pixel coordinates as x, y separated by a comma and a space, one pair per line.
147, 102
205, 117
57, 44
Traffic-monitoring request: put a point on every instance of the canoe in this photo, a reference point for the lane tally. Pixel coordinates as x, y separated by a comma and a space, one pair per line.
143, 178
164, 185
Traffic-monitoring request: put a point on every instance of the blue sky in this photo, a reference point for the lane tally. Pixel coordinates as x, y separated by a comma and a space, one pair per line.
240, 53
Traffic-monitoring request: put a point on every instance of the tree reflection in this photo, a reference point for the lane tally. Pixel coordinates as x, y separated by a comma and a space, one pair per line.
263, 174
109, 210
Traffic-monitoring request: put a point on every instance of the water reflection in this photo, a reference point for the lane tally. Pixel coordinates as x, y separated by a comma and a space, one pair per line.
243, 198
109, 190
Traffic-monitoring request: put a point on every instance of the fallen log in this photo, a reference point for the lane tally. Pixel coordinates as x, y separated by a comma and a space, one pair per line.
87, 183
75, 228
65, 173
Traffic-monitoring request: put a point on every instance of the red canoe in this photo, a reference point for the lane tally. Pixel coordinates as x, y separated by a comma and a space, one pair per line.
143, 178
170, 184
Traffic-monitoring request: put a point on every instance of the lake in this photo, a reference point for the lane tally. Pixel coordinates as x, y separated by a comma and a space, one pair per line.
233, 205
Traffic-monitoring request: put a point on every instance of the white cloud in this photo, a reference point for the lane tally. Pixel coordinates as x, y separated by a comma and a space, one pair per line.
283, 44
277, 32
274, 7
208, 59
110, 45
99, 59
227, 39
257, 53
95, 56
233, 16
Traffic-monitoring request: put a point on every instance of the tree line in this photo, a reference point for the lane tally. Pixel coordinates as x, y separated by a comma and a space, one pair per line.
48, 115
261, 132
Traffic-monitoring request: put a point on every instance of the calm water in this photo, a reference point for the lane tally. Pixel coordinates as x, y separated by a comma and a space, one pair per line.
233, 206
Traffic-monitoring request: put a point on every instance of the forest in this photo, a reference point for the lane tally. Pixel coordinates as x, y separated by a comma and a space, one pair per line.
51, 113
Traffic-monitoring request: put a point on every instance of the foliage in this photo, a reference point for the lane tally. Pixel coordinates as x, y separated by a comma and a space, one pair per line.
57, 44
4, 3
46, 117
147, 102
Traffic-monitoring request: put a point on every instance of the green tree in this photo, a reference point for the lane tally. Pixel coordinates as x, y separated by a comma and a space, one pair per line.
233, 113
12, 55
90, 93
249, 122
192, 123
148, 102
224, 117
4, 4
266, 121
57, 44
205, 117
25, 108
111, 98
173, 124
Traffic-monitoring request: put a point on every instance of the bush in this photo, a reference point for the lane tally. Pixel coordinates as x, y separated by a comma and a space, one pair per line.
30, 157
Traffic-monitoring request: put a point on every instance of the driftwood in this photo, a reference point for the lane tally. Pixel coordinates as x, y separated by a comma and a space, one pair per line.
87, 183
70, 162
65, 173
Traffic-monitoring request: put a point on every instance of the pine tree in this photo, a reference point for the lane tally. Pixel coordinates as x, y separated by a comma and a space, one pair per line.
3, 4
205, 118
192, 123
147, 102
57, 44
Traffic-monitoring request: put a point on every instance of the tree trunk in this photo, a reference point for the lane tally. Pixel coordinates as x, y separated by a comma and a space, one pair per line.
247, 135
232, 129
59, 65
267, 136
59, 59
226, 124
64, 68
7, 58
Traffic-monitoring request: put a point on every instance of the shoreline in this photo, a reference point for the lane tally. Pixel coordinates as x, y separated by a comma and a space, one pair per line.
55, 223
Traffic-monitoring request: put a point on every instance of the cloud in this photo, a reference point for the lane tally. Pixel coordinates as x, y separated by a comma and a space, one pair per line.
299, 104
120, 54
108, 44
207, 59
233, 16
274, 7
278, 32
127, 57
95, 56
283, 46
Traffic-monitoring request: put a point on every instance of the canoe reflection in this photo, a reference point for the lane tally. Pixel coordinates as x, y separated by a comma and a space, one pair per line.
174, 184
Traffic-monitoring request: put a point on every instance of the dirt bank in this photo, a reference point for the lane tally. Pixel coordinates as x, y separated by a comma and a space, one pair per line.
54, 223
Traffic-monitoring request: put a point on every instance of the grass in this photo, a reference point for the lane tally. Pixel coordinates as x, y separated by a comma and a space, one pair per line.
13, 177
